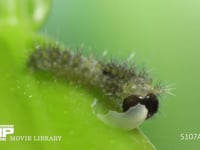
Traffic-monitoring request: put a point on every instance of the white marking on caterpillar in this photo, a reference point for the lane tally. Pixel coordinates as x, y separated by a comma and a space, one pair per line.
128, 120
94, 103
104, 53
131, 57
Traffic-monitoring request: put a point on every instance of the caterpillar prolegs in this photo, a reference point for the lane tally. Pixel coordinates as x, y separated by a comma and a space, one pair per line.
132, 91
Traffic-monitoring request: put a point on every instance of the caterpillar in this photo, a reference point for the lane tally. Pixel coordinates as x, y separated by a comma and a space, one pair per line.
132, 92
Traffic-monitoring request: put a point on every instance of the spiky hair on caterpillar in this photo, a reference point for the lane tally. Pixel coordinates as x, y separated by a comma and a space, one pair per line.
131, 91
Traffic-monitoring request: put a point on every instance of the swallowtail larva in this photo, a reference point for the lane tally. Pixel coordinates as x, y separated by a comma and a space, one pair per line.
134, 96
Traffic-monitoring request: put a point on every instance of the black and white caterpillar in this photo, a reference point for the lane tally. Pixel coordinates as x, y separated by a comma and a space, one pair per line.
133, 93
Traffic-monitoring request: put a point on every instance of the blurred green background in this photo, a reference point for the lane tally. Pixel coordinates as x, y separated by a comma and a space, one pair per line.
165, 35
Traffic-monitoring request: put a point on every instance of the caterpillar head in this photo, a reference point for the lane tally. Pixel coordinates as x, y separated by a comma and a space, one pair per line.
140, 91
150, 102
136, 109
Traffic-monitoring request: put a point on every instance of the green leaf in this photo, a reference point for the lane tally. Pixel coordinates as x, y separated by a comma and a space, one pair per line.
37, 104
32, 13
